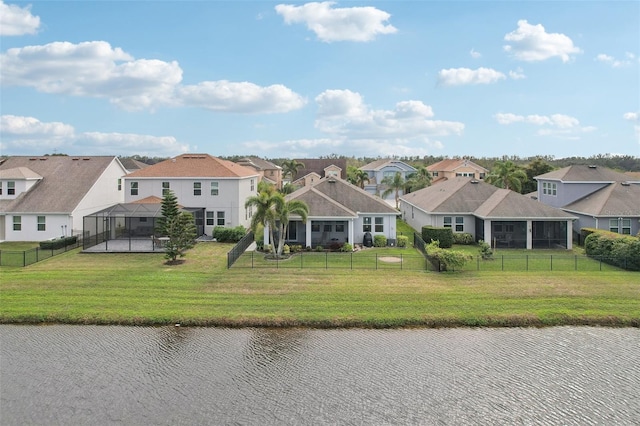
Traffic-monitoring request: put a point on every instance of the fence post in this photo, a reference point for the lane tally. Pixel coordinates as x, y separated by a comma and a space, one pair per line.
352, 261
326, 260
376, 261
503, 262
478, 262
401, 261
576, 262
551, 261
527, 262
24, 258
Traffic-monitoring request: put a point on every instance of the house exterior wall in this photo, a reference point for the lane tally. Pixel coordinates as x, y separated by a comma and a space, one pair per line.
56, 225
232, 194
566, 193
20, 186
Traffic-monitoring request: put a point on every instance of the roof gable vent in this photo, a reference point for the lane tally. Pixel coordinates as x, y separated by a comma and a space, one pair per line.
474, 181
593, 166
625, 183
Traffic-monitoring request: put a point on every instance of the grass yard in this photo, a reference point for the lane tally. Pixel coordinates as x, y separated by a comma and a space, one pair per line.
140, 289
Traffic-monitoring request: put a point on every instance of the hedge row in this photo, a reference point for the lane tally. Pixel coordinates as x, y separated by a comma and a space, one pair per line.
443, 235
229, 235
58, 243
613, 248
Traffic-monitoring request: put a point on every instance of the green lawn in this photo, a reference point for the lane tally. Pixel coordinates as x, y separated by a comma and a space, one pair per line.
134, 288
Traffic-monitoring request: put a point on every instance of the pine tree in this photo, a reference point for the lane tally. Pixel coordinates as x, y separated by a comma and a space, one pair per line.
181, 230
169, 211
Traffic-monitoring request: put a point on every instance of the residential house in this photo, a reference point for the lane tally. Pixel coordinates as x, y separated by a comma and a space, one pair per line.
339, 213
383, 168
500, 216
316, 168
449, 168
215, 190
268, 171
600, 197
131, 164
47, 197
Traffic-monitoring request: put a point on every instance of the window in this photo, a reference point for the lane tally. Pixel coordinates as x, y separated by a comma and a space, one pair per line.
214, 188
143, 219
459, 224
613, 225
292, 231
327, 227
626, 226
119, 184
447, 221
549, 188
210, 219
166, 187
434, 174
134, 188
11, 188
17, 223
220, 216
339, 227
253, 185
0, 188
482, 175
389, 174
466, 174
42, 223
315, 227
197, 188
366, 224
379, 224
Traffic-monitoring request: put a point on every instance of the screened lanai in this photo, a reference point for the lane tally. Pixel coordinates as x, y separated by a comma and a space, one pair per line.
128, 227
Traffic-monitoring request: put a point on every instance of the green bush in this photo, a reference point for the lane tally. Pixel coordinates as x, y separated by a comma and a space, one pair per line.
443, 235
346, 247
485, 249
229, 235
403, 241
58, 243
319, 248
463, 238
446, 259
379, 241
286, 249
616, 249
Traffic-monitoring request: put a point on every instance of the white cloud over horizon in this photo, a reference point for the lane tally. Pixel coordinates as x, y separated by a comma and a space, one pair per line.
360, 24
558, 125
17, 21
531, 43
617, 63
95, 69
465, 76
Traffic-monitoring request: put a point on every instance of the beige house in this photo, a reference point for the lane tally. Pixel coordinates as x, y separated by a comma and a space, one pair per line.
450, 168
269, 172
317, 168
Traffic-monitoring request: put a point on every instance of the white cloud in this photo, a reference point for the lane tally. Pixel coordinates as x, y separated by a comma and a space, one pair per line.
464, 76
338, 24
558, 125
240, 97
95, 69
474, 54
631, 116
517, 74
532, 43
26, 135
342, 112
16, 20
616, 63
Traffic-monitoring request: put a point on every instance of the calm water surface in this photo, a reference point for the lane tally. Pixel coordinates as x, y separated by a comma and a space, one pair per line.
85, 375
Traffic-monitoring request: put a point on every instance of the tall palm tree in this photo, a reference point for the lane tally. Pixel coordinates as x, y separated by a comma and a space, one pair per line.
418, 180
290, 168
395, 184
283, 210
506, 174
265, 214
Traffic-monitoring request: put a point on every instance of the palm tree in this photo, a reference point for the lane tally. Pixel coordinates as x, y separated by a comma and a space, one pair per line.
360, 177
506, 174
265, 214
393, 183
290, 168
418, 180
283, 210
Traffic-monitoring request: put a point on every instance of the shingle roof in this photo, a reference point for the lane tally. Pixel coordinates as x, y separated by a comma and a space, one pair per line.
19, 173
584, 173
450, 165
335, 198
258, 163
194, 165
319, 164
616, 199
379, 164
65, 181
469, 196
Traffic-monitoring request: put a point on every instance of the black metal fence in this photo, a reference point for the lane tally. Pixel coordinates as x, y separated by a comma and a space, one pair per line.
239, 248
24, 258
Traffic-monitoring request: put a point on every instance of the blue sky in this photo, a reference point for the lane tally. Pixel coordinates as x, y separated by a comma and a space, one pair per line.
295, 79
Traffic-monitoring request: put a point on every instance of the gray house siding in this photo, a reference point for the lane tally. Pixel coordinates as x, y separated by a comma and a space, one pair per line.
566, 193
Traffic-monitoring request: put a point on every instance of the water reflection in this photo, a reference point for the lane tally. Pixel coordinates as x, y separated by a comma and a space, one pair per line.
176, 375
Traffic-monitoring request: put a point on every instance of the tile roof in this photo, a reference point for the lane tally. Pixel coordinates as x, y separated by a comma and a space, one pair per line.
464, 195
338, 198
65, 181
194, 165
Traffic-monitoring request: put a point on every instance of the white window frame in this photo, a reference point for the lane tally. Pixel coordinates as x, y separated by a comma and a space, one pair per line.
17, 223
215, 188
459, 224
42, 223
133, 186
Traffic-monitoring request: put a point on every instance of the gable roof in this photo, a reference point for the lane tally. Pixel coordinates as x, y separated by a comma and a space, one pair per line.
19, 173
258, 163
464, 195
65, 181
385, 162
132, 164
450, 165
194, 165
318, 165
617, 199
332, 197
584, 173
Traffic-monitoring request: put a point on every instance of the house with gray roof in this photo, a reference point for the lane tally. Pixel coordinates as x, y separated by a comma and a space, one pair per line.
382, 168
600, 197
317, 168
269, 172
339, 212
500, 216
44, 197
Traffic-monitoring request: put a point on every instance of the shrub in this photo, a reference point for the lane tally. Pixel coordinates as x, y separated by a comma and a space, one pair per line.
335, 246
229, 235
58, 243
286, 249
446, 259
616, 249
463, 238
379, 241
319, 248
403, 241
443, 235
485, 249
346, 247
